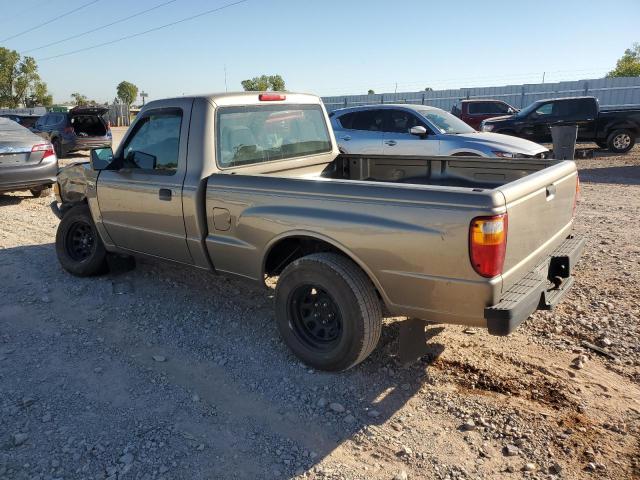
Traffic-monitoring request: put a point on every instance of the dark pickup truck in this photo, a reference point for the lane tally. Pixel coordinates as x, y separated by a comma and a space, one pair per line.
615, 129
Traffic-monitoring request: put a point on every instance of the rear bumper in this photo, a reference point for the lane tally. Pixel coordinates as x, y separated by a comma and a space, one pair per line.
79, 143
540, 289
29, 176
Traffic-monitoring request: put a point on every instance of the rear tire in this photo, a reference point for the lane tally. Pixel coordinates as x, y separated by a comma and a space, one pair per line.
328, 311
57, 147
41, 192
621, 141
79, 248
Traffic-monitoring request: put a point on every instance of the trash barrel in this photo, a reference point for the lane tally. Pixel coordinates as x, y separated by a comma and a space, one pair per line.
564, 141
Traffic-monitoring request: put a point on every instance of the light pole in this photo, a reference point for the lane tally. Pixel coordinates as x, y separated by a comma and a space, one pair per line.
143, 95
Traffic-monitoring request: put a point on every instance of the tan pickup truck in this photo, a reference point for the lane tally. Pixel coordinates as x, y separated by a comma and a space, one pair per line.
253, 185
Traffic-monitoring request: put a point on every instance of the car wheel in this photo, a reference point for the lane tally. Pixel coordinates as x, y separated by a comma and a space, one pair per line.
79, 248
57, 147
621, 141
41, 192
328, 311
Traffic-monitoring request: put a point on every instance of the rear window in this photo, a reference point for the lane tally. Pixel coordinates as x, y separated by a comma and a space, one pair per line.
480, 108
264, 133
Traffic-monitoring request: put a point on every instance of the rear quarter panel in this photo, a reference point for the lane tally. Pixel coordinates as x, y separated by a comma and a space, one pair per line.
412, 242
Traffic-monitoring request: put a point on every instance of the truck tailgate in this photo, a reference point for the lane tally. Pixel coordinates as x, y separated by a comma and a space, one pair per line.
540, 209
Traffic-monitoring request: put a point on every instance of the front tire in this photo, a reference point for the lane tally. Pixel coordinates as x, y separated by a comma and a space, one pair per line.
328, 311
79, 248
621, 141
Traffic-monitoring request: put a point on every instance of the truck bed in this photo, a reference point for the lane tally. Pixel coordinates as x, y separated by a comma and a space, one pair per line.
416, 211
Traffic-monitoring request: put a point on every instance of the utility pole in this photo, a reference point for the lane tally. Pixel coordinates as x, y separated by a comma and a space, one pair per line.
225, 78
396, 90
143, 95
543, 74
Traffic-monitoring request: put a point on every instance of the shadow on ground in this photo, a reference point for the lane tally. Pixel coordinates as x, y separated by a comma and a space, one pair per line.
88, 348
625, 175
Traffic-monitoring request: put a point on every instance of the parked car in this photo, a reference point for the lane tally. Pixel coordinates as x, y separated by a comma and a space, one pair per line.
420, 130
474, 111
615, 129
27, 162
252, 184
27, 121
82, 128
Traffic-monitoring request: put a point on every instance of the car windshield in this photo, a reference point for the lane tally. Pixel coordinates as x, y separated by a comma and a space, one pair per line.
527, 110
445, 122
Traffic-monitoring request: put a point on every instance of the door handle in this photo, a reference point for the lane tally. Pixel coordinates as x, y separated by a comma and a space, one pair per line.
391, 143
551, 192
164, 194
346, 138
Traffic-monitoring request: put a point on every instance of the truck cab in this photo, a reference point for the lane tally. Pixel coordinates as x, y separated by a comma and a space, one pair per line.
474, 111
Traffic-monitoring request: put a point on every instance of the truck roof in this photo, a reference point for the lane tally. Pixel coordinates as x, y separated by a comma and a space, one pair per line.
246, 98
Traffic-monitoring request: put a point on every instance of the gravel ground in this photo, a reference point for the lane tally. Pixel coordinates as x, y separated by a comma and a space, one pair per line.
166, 373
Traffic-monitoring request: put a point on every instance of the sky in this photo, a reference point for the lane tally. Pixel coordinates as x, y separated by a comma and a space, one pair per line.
327, 47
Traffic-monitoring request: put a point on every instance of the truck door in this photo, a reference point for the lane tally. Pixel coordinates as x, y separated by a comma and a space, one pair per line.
141, 202
539, 123
581, 112
398, 141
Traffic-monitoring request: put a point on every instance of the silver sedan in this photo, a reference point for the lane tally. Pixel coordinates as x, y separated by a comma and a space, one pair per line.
421, 130
27, 161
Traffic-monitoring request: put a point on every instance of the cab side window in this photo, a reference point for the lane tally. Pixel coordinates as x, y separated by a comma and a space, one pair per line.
155, 143
401, 121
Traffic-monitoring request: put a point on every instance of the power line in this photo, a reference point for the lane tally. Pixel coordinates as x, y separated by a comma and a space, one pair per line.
50, 21
30, 9
100, 27
133, 35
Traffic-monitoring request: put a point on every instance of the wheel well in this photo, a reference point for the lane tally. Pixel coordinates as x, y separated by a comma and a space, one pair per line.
465, 154
289, 249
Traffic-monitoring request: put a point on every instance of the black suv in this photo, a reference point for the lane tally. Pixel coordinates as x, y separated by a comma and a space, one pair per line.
81, 128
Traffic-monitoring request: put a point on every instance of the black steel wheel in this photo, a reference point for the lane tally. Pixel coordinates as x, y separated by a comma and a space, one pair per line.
80, 242
328, 311
78, 245
315, 317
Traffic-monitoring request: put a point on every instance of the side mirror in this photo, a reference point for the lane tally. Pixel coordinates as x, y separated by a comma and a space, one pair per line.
101, 158
511, 111
418, 131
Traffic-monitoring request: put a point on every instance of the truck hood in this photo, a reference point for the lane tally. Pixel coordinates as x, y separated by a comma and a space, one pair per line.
499, 119
500, 142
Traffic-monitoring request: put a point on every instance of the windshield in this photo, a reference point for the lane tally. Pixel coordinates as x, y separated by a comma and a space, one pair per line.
527, 110
261, 133
445, 122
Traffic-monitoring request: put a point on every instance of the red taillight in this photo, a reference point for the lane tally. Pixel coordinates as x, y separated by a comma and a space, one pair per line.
271, 97
488, 244
68, 130
575, 199
45, 148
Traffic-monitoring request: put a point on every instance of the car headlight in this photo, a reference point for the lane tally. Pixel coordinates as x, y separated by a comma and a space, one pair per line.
500, 154
486, 128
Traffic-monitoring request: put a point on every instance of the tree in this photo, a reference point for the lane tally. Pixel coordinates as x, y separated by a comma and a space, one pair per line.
371, 92
19, 80
264, 83
428, 89
127, 92
629, 64
79, 99
39, 96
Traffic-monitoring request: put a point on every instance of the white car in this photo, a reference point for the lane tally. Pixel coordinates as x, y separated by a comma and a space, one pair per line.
421, 130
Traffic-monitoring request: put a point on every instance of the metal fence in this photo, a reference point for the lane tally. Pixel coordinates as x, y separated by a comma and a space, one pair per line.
611, 92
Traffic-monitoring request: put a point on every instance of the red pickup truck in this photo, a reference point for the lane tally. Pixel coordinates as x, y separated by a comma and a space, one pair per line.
473, 112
